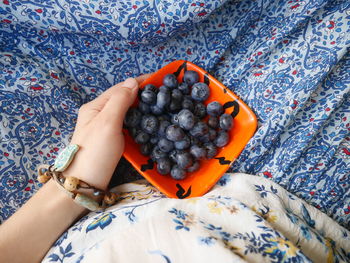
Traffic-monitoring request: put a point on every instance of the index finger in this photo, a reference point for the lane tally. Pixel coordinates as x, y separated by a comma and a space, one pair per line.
98, 103
143, 77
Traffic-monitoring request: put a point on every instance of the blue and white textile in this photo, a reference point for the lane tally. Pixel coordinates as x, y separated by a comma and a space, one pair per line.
288, 60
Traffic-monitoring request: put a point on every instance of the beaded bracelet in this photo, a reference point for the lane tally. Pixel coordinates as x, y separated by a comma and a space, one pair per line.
71, 185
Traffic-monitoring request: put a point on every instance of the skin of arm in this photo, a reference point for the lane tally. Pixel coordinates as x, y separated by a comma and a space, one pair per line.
28, 234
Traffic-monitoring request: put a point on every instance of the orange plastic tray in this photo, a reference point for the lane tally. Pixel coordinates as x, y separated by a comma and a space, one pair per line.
201, 181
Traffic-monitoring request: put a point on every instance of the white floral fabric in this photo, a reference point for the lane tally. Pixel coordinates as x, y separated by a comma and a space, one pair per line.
244, 218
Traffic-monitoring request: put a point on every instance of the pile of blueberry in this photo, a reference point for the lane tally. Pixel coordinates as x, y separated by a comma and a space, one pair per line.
169, 124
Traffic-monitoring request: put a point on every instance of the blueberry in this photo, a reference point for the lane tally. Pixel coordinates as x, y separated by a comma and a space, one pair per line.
146, 149
190, 77
165, 145
167, 123
214, 109
183, 144
164, 89
149, 97
163, 166
199, 129
133, 132
177, 173
177, 95
157, 154
184, 160
156, 110
150, 87
174, 119
184, 88
154, 140
200, 110
205, 138
211, 150
195, 167
186, 119
144, 107
187, 103
222, 139
164, 117
132, 118
163, 98
162, 127
200, 91
226, 121
149, 124
170, 81
212, 134
172, 155
213, 122
174, 133
198, 152
142, 137
174, 106
194, 140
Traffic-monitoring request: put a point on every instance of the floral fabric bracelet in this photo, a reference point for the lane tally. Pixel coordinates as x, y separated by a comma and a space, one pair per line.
72, 186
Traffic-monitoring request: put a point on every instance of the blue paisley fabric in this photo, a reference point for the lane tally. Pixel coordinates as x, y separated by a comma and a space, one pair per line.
288, 60
245, 218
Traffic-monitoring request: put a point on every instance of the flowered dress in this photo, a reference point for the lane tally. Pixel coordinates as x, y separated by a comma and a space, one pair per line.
243, 219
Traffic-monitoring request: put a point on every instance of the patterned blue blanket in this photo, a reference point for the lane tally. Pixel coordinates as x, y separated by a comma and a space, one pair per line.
288, 60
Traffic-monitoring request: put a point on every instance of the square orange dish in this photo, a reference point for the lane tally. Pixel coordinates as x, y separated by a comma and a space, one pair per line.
200, 182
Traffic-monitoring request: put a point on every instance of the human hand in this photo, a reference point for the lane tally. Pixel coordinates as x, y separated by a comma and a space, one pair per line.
98, 133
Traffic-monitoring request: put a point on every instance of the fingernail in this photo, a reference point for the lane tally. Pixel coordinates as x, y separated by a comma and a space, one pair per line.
130, 83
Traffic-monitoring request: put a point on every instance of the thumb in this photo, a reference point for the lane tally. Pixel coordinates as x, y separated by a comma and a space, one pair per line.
119, 102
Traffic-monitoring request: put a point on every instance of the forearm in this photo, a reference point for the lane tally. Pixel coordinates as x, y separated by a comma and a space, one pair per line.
31, 231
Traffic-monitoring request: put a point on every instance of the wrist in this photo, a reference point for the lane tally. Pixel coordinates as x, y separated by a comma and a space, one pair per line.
58, 200
81, 173
77, 184
71, 164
